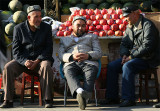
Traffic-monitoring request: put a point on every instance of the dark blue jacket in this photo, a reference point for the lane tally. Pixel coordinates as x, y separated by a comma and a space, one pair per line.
26, 47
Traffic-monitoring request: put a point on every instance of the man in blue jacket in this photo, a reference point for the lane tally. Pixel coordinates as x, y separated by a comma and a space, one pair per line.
138, 52
32, 51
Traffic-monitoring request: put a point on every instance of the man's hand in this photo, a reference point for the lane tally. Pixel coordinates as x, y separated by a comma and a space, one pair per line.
28, 63
31, 64
80, 57
123, 59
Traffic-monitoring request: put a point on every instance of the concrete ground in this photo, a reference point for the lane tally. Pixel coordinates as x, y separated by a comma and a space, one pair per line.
72, 105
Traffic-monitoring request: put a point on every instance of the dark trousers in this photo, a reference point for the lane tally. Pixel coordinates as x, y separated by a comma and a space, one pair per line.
128, 70
88, 72
13, 69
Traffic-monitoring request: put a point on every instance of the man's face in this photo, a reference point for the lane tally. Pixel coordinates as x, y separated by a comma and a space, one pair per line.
79, 27
130, 18
34, 18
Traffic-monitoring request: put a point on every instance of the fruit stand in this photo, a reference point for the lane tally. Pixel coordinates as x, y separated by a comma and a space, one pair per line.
59, 10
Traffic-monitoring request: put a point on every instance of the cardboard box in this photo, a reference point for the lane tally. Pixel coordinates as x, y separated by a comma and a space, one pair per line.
64, 18
155, 18
104, 60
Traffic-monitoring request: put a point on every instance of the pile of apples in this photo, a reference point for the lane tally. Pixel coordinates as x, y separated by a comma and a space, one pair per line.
106, 22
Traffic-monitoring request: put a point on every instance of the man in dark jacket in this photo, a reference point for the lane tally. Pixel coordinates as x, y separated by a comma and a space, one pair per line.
138, 52
32, 51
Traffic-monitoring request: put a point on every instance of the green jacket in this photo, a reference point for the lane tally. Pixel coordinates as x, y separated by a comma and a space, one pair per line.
145, 44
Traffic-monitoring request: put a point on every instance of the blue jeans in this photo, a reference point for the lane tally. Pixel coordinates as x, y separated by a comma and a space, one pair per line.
128, 70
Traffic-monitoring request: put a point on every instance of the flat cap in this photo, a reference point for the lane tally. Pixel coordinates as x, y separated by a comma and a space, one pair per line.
78, 17
33, 8
129, 9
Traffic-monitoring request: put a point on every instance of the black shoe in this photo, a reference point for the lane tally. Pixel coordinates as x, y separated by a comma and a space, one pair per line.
156, 105
81, 101
110, 101
127, 103
48, 104
7, 104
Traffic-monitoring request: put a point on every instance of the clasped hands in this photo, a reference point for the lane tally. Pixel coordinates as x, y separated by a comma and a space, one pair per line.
30, 64
80, 57
125, 59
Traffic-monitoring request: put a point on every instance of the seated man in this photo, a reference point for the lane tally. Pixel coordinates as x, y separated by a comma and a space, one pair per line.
138, 50
32, 51
80, 52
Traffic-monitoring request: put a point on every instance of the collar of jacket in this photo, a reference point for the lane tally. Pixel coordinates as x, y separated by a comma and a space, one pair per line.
138, 24
78, 37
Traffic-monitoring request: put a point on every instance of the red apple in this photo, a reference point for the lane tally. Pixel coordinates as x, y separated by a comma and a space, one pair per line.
114, 27
97, 11
66, 33
92, 28
99, 27
82, 12
99, 17
110, 21
96, 22
60, 33
89, 22
103, 22
115, 16
97, 33
106, 16
104, 11
122, 27
106, 27
110, 33
119, 21
118, 33
102, 33
93, 17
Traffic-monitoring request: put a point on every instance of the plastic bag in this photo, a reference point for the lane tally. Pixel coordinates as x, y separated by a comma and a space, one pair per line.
73, 9
54, 24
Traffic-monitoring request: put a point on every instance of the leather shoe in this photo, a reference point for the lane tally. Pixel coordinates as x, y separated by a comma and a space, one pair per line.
127, 103
7, 104
156, 105
81, 101
48, 104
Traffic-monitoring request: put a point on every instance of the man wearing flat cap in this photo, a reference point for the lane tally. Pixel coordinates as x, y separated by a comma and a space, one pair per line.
80, 53
138, 51
32, 52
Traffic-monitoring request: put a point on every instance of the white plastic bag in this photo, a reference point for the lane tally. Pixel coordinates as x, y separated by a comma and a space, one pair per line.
73, 9
54, 24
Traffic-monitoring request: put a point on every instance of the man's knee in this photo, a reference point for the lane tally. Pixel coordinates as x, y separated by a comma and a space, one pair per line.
8, 66
46, 64
127, 65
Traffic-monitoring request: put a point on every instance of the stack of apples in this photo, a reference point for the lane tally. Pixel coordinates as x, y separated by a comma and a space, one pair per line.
106, 22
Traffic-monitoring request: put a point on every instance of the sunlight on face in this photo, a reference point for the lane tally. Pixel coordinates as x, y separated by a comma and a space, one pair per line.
79, 27
34, 18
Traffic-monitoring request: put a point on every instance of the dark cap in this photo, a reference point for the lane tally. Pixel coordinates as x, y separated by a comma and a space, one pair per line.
33, 8
129, 9
78, 17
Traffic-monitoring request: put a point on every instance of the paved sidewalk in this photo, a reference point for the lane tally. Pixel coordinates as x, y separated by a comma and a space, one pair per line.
72, 105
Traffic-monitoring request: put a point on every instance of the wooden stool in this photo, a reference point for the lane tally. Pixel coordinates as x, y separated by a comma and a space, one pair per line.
23, 88
146, 75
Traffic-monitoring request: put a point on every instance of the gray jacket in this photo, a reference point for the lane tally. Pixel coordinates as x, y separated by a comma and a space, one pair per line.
88, 43
142, 42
